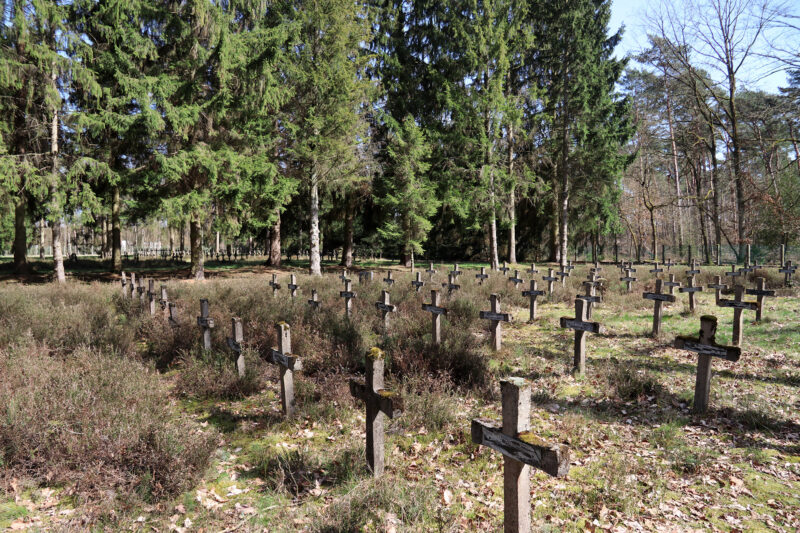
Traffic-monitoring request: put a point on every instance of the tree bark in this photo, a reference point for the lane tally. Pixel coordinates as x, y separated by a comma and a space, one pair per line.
21, 265
675, 167
315, 262
183, 236
512, 228
55, 208
347, 250
42, 225
274, 258
196, 245
116, 232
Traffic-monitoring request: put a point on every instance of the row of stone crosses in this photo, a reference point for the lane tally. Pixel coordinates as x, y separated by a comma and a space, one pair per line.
521, 449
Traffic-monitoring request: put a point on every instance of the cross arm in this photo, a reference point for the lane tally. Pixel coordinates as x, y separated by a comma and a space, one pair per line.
729, 353
572, 323
389, 403
292, 362
206, 322
500, 317
525, 448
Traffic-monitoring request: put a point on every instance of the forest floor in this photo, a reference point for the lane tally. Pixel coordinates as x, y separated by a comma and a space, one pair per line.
640, 460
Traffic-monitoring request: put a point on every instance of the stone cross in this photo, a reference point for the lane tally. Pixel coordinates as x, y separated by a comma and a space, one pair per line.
532, 293
733, 273
385, 308
235, 344
437, 312
151, 296
389, 280
760, 292
718, 287
288, 364
738, 305
549, 278
380, 403
693, 271
520, 450
314, 302
348, 296
292, 286
658, 299
431, 271
142, 292
671, 284
581, 326
124, 281
628, 279
173, 315
206, 323
417, 283
275, 285
343, 275
482, 276
691, 289
504, 269
364, 276
455, 272
516, 280
655, 270
669, 264
497, 318
164, 301
706, 347
132, 285
590, 296
563, 274
451, 284
532, 270
787, 272
569, 266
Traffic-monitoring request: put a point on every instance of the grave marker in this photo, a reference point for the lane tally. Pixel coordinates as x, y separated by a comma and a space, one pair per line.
549, 278
482, 276
417, 283
516, 280
532, 293
738, 305
275, 285
520, 450
532, 270
437, 312
431, 271
760, 292
348, 296
164, 301
733, 273
314, 302
655, 270
288, 364
671, 284
364, 276
590, 296
563, 274
173, 315
691, 289
628, 279
389, 280
380, 403
451, 284
706, 347
385, 308
124, 281
658, 299
497, 318
235, 344
504, 269
455, 272
788, 270
717, 286
151, 296
206, 323
581, 327
292, 286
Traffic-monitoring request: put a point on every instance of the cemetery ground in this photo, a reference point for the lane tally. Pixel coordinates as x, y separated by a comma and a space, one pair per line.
115, 419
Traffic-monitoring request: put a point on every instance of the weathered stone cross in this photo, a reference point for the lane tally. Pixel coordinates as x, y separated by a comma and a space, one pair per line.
235, 344
628, 279
671, 284
292, 286
151, 296
718, 287
380, 403
482, 276
173, 315
124, 281
313, 302
738, 305
691, 289
431, 271
760, 292
417, 283
590, 295
343, 275
389, 280
532, 270
275, 285
206, 323
658, 299
497, 318
549, 278
164, 301
520, 450
532, 293
455, 272
655, 270
516, 280
451, 284
348, 296
288, 364
733, 273
365, 275
385, 308
581, 326
787, 272
437, 312
706, 347
132, 285
563, 274
504, 269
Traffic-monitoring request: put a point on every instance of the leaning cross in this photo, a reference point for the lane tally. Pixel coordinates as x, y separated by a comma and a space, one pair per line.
235, 344
173, 315
380, 404
164, 301
717, 286
313, 302
482, 276
275, 285
532, 293
520, 449
497, 318
706, 347
288, 364
205, 322
549, 278
417, 283
738, 305
451, 284
658, 299
389, 279
437, 312
760, 292
124, 283
581, 326
385, 308
691, 289
348, 296
292, 286
516, 280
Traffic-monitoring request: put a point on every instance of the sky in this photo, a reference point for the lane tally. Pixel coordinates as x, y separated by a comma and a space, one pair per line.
633, 14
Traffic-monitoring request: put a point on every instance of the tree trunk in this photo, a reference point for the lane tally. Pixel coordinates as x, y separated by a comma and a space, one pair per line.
196, 246
55, 208
21, 265
42, 225
216, 246
347, 250
274, 258
554, 249
315, 262
116, 232
675, 167
171, 232
183, 236
653, 236
512, 227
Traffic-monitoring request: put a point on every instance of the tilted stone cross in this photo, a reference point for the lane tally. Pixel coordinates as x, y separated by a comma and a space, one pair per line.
206, 323
173, 315
380, 403
691, 288
516, 280
431, 271
521, 450
292, 286
706, 347
658, 299
738, 305
164, 301
718, 286
788, 270
671, 284
549, 278
235, 344
313, 302
532, 293
288, 364
124, 281
581, 326
628, 279
497, 318
417, 283
348, 296
389, 280
504, 269
760, 292
532, 270
482, 276
385, 308
437, 312
451, 284
275, 285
